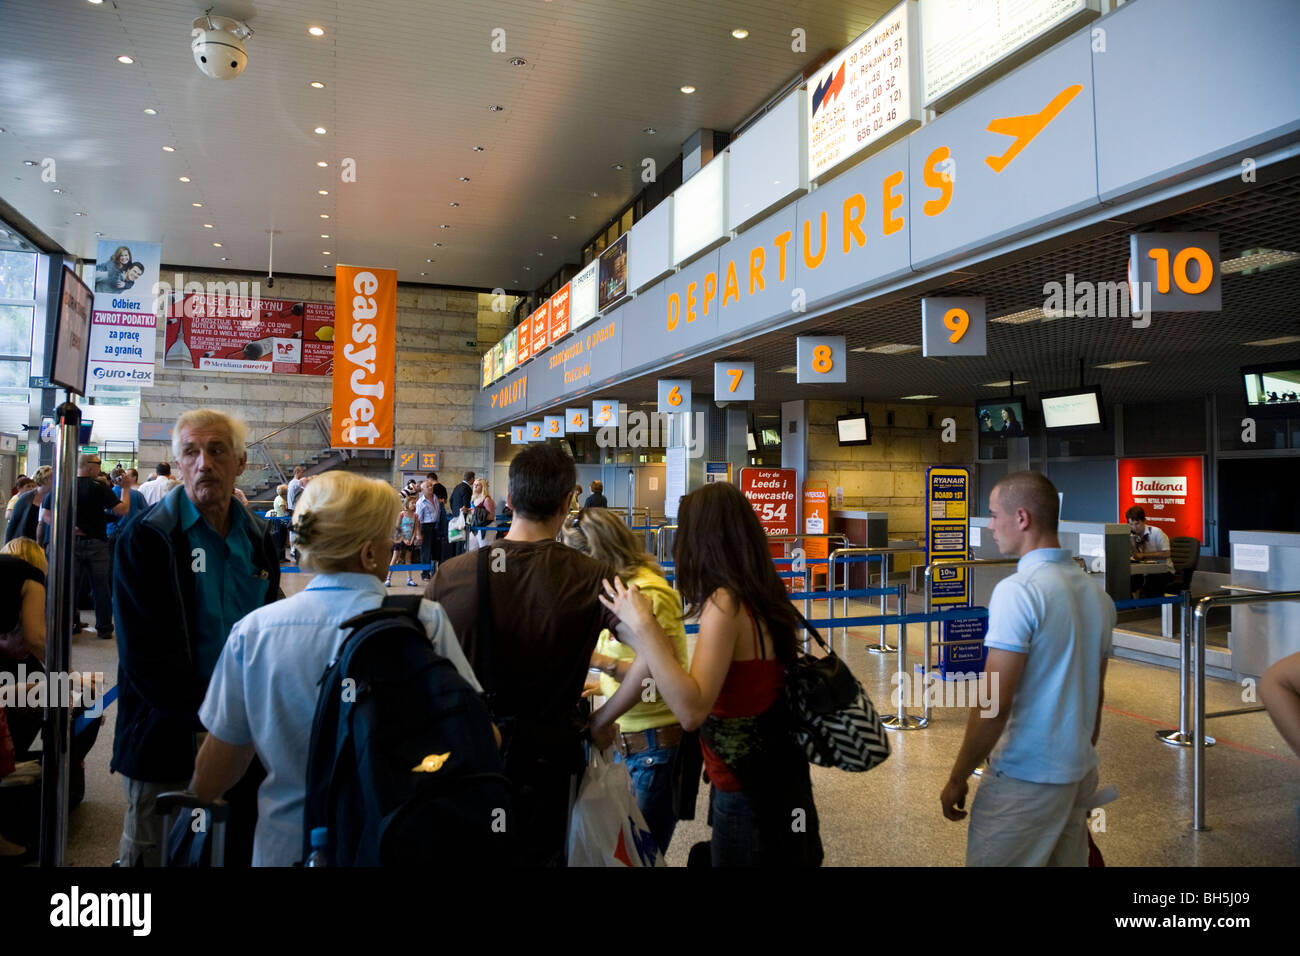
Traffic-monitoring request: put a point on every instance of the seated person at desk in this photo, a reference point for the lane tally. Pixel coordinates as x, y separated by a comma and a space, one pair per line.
1149, 544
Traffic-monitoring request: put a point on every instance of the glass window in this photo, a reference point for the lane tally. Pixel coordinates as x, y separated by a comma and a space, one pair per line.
16, 329
626, 222
600, 244
17, 275
13, 382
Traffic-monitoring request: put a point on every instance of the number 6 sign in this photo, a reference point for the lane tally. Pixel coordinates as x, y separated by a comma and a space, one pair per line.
953, 326
674, 395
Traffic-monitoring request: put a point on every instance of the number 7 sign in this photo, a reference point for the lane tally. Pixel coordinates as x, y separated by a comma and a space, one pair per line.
733, 381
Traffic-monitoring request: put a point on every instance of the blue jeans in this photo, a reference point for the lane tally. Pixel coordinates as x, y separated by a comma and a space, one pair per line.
93, 558
652, 772
735, 840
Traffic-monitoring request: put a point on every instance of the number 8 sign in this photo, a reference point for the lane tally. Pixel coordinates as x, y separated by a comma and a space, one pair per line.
820, 359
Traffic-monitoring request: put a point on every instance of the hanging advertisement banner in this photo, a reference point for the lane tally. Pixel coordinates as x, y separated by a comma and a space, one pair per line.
364, 358
613, 273
771, 492
1169, 490
232, 333
124, 322
816, 520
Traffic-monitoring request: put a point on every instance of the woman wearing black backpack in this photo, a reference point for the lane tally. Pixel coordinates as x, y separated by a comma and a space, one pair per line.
761, 806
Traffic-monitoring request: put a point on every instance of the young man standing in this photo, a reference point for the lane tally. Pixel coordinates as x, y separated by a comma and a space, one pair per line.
1048, 639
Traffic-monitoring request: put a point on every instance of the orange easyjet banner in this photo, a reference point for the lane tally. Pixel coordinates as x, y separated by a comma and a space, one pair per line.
365, 352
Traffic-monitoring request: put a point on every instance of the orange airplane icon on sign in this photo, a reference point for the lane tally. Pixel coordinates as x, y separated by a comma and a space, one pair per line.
1025, 128
406, 458
494, 401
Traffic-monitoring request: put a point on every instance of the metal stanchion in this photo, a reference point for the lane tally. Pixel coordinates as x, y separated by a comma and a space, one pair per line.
883, 647
56, 731
1182, 736
903, 720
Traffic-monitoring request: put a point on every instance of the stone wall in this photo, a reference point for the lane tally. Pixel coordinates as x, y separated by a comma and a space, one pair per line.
889, 474
438, 367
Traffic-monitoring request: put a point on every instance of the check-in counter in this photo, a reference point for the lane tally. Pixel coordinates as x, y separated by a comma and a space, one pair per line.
865, 529
1103, 546
1264, 633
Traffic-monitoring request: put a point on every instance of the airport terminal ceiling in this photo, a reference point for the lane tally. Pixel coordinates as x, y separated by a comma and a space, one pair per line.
1188, 354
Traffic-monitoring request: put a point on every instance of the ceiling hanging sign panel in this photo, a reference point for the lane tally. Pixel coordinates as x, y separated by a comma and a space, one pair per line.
965, 44
700, 210
582, 295
1013, 158
953, 326
867, 95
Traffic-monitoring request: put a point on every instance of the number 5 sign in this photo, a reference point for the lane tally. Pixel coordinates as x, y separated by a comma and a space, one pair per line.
733, 381
604, 412
820, 359
953, 326
674, 395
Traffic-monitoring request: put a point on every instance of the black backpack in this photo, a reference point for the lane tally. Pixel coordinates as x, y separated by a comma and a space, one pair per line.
405, 770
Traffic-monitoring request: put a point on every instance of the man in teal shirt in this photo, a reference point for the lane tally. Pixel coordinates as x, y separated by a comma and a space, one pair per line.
184, 573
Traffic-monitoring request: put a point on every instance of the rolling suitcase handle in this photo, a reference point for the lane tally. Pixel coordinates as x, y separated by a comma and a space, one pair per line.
172, 803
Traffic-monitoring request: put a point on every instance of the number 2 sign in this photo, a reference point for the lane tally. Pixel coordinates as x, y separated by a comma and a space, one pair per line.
535, 432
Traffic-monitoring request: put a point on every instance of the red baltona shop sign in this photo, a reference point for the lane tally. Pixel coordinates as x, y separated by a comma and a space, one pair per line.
1169, 490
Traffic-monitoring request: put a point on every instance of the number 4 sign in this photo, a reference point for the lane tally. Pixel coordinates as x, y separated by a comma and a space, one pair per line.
674, 395
576, 421
733, 381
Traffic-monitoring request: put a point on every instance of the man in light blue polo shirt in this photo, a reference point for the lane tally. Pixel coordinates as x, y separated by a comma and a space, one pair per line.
1048, 639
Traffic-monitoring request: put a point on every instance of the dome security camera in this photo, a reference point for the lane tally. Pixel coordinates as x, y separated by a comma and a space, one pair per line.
218, 46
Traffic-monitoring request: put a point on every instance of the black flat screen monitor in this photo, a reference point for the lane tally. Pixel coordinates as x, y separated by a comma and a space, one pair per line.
1000, 418
1273, 388
1073, 410
72, 336
853, 429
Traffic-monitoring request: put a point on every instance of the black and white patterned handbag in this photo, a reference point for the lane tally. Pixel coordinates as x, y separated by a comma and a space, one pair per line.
836, 723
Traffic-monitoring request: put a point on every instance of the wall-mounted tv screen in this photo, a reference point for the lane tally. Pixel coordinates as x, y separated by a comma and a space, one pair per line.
1071, 410
1273, 387
771, 437
750, 443
853, 429
72, 335
1000, 417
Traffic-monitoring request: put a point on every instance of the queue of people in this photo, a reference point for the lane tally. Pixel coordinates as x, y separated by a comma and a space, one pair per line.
218, 671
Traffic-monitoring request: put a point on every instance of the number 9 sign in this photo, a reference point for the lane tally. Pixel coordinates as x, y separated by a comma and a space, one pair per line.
953, 326
674, 395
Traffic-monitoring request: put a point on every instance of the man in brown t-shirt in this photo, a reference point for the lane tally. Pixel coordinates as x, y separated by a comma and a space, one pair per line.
546, 617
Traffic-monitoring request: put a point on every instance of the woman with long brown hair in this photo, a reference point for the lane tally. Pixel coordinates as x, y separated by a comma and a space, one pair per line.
735, 689
648, 733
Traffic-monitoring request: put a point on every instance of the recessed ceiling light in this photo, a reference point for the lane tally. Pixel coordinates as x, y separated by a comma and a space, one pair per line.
56, 189
906, 398
595, 195
124, 59
788, 370
320, 131
437, 245
1280, 340
324, 215
184, 179
169, 149
541, 253
1114, 365
321, 163
463, 179
688, 89
528, 268
428, 260
740, 33
207, 225
453, 204
325, 266
555, 237
650, 130
78, 213
1019, 318
1257, 259
518, 61
573, 219
889, 348
95, 2
150, 111
445, 226
317, 85
99, 235
424, 273
495, 108
225, 258
477, 149
617, 166
29, 162
325, 252
217, 245
197, 205
322, 192
324, 235
316, 31
1005, 384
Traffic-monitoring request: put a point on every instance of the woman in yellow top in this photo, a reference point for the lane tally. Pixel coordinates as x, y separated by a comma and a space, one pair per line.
647, 733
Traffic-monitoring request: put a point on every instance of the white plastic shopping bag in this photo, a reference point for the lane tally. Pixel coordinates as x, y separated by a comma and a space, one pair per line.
606, 827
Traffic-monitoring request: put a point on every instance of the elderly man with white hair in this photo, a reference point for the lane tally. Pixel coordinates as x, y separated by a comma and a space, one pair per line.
184, 573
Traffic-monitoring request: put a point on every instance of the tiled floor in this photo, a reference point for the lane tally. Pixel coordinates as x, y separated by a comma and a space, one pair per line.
890, 816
